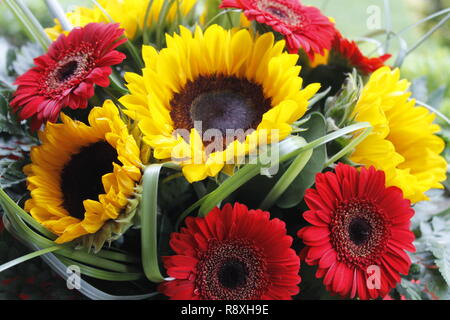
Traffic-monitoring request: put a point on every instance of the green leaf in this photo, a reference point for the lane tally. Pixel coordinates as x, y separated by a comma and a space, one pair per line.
288, 149
24, 57
294, 193
286, 179
441, 251
436, 239
16, 218
149, 222
27, 257
411, 291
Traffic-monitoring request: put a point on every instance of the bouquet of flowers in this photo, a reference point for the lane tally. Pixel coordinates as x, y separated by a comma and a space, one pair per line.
219, 150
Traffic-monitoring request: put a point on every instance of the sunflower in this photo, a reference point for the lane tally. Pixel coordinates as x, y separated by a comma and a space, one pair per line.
232, 254
302, 26
82, 177
129, 13
359, 226
403, 143
66, 75
216, 82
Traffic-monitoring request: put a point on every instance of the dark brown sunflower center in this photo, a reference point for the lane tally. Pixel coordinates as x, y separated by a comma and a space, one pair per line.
81, 178
219, 106
67, 70
359, 232
231, 270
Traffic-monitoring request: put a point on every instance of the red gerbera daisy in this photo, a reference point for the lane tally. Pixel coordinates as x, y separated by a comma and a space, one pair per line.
348, 51
232, 254
359, 232
67, 73
303, 26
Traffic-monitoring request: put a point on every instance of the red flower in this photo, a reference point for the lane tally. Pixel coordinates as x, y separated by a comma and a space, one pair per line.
67, 73
232, 254
348, 51
359, 232
303, 26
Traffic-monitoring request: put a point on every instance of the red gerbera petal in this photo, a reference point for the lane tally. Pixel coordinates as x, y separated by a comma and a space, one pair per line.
243, 255
363, 236
65, 76
344, 49
302, 26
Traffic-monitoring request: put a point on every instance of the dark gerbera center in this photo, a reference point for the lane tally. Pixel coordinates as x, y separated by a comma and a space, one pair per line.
359, 232
231, 270
281, 11
329, 76
66, 71
232, 274
220, 105
81, 178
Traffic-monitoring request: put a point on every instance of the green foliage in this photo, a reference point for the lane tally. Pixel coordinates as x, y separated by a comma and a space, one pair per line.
30, 280
434, 87
316, 128
431, 262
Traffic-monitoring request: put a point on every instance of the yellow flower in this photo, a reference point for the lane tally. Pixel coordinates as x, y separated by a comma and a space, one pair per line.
403, 142
129, 13
82, 177
223, 80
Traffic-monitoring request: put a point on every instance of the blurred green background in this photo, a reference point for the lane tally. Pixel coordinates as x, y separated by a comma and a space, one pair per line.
355, 19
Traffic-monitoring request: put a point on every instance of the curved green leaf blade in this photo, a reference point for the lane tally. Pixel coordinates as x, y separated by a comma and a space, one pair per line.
294, 193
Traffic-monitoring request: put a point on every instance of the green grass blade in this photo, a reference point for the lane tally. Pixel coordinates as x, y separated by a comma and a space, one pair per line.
101, 274
27, 257
288, 149
149, 222
285, 181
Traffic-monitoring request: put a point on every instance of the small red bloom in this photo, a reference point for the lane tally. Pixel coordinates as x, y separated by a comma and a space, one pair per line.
67, 73
359, 233
303, 26
232, 254
344, 49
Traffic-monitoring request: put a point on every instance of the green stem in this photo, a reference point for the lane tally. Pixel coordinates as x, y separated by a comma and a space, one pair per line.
425, 37
145, 37
58, 13
288, 149
434, 110
28, 235
101, 274
430, 17
135, 54
161, 18
117, 85
149, 222
32, 26
221, 13
349, 147
285, 181
27, 257
388, 24
130, 47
